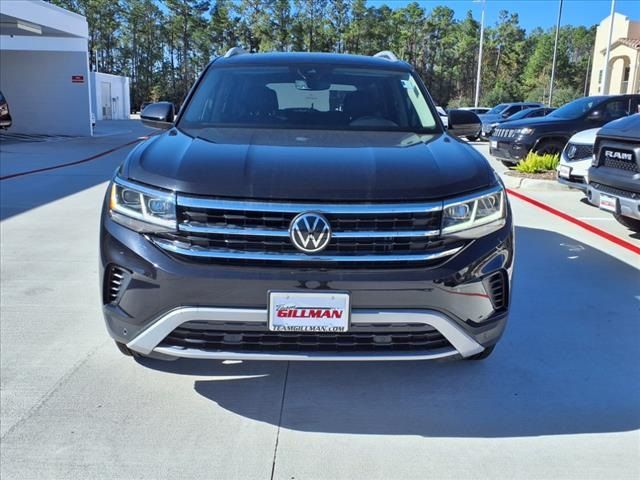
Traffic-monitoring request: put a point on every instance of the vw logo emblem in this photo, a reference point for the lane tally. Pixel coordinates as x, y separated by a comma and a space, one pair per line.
571, 151
310, 232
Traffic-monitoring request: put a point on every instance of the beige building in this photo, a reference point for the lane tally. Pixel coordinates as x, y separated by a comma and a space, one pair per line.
624, 57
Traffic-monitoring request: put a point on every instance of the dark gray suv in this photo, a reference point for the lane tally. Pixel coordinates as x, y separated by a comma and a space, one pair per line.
306, 207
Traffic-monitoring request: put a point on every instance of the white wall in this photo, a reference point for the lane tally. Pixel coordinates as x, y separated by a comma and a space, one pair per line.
121, 108
41, 95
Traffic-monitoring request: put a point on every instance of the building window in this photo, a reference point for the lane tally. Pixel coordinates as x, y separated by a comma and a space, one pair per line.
625, 75
600, 76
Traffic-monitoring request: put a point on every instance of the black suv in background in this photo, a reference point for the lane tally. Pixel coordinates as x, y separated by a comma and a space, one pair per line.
526, 113
501, 112
306, 206
614, 178
512, 141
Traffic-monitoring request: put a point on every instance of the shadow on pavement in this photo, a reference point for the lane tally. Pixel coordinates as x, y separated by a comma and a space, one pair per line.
569, 363
19, 195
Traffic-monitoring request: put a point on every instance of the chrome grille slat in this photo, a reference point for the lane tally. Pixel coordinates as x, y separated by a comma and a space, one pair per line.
265, 232
285, 207
220, 253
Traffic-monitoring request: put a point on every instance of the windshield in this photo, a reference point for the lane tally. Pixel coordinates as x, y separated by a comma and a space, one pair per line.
498, 109
308, 97
577, 108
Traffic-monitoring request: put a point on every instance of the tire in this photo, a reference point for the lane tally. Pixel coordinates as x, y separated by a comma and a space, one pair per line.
630, 223
473, 138
553, 147
508, 164
483, 354
126, 351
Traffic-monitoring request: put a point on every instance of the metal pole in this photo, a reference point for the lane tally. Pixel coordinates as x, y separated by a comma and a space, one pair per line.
480, 56
555, 51
587, 75
605, 79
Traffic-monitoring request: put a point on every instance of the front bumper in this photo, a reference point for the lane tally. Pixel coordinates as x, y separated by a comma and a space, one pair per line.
512, 150
574, 181
622, 185
626, 205
161, 292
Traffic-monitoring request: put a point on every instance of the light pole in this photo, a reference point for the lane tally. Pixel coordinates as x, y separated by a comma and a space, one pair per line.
605, 79
480, 56
555, 51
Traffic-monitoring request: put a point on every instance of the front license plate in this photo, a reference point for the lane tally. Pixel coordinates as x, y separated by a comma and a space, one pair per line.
564, 171
608, 203
493, 144
309, 312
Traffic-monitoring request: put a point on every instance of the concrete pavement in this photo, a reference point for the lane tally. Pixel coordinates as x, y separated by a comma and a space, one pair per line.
560, 397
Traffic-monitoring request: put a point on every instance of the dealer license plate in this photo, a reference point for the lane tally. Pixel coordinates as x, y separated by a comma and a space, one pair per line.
493, 144
309, 312
564, 171
608, 203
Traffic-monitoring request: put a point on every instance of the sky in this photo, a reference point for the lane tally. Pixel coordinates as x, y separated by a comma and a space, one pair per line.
532, 13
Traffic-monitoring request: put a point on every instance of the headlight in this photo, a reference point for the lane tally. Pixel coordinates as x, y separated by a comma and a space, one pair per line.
525, 131
473, 212
142, 208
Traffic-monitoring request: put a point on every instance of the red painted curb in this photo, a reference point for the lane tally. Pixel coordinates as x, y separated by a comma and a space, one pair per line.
601, 233
70, 164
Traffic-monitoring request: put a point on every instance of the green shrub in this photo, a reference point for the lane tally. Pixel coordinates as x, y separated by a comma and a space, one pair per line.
534, 163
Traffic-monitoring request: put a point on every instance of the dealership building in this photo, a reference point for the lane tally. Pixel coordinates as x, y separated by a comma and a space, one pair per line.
624, 57
44, 72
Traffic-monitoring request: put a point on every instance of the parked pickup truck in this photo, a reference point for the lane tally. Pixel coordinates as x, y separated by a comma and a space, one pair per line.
614, 178
306, 206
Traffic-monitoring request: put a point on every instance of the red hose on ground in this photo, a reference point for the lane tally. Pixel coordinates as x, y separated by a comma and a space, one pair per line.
70, 164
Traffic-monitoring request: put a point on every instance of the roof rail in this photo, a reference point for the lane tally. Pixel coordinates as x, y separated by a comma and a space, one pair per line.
387, 55
235, 51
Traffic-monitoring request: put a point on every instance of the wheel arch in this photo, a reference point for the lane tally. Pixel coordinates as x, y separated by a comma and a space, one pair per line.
550, 137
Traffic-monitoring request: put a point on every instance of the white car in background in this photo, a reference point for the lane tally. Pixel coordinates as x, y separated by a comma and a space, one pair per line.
576, 159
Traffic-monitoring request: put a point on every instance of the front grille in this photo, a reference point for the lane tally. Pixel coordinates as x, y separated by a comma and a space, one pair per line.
504, 132
216, 230
578, 151
614, 191
255, 337
115, 278
627, 165
496, 286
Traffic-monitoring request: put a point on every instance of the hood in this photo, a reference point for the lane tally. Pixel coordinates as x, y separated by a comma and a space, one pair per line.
535, 121
625, 127
309, 165
587, 137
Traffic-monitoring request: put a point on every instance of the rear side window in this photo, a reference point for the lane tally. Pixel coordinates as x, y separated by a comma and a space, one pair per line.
616, 109
511, 110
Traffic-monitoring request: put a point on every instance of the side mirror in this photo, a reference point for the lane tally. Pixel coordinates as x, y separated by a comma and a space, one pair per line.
463, 123
596, 115
5, 117
158, 115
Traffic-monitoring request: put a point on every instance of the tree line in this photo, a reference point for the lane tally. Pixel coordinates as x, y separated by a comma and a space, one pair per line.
162, 45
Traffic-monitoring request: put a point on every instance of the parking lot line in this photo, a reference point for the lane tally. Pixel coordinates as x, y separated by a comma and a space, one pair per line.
597, 231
